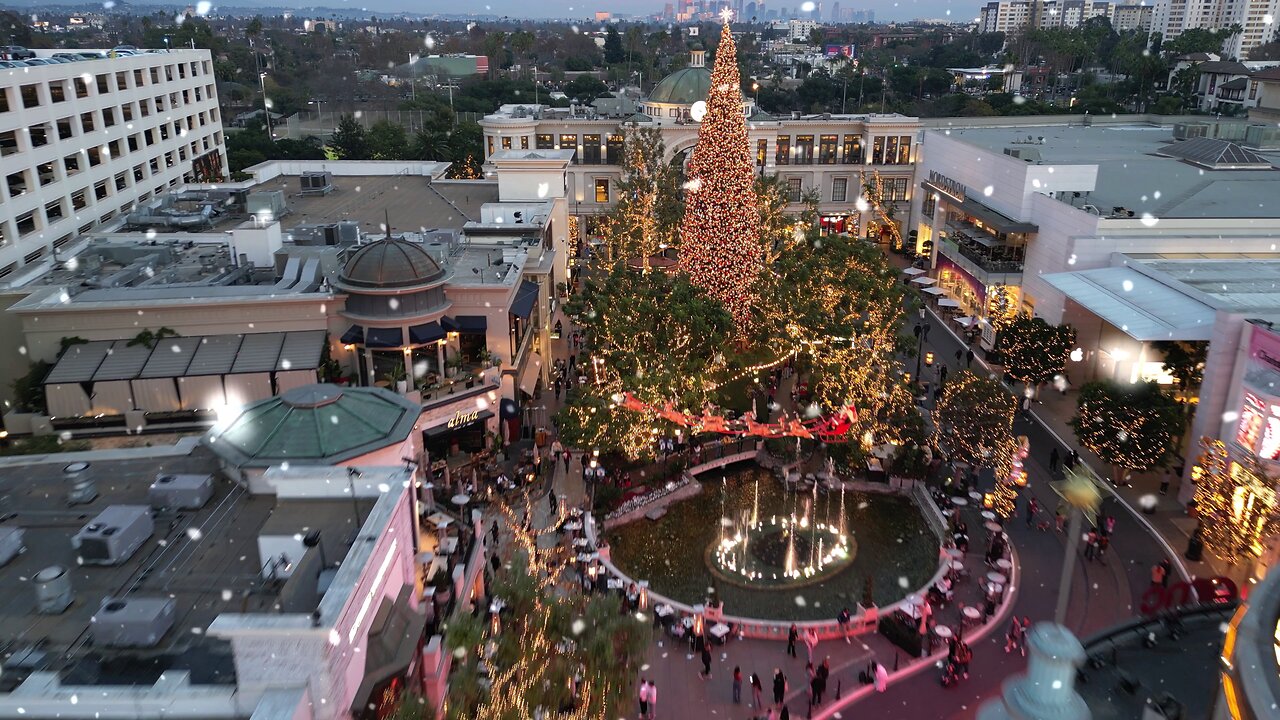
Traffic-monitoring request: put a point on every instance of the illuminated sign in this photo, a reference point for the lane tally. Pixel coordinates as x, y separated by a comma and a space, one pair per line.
956, 190
463, 418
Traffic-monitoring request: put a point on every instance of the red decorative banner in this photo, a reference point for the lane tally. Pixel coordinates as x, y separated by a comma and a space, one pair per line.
831, 428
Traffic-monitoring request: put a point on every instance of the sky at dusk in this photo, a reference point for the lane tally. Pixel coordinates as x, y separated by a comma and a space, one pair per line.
957, 11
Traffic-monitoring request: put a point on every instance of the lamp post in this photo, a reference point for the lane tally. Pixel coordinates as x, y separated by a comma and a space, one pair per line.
266, 111
921, 332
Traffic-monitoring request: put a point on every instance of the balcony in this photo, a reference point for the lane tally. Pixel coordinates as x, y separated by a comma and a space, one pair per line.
994, 265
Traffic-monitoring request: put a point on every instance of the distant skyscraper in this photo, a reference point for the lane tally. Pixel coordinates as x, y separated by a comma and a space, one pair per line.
835, 12
751, 10
668, 11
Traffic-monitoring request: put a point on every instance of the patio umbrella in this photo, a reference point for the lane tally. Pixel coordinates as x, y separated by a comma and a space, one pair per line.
965, 321
948, 303
923, 281
913, 271
935, 291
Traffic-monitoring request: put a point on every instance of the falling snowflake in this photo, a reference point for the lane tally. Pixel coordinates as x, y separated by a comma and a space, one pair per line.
800, 601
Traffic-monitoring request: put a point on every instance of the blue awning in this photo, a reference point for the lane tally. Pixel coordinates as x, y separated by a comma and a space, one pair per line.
472, 323
429, 332
526, 296
353, 336
448, 324
384, 338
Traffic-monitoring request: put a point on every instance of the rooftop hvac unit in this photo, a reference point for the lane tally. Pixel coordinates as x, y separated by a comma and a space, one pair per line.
316, 183
266, 203
180, 492
132, 622
1186, 131
114, 536
1026, 154
81, 489
11, 544
53, 590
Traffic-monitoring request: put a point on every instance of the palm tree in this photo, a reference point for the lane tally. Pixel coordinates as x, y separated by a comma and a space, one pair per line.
430, 145
1081, 494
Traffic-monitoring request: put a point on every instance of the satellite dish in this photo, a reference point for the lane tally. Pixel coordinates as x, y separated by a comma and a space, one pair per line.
698, 110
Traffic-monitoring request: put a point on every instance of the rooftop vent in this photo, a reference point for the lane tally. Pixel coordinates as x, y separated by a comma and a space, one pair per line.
1215, 154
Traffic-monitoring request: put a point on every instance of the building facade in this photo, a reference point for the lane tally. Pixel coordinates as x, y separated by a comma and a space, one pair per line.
1171, 18
1012, 15
85, 142
830, 155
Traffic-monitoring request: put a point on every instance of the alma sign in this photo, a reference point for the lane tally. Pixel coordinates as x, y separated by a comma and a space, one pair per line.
463, 418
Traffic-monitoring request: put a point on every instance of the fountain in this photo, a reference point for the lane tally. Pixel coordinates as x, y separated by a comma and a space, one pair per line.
787, 550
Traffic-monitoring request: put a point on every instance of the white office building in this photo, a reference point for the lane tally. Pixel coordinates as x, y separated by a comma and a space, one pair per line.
84, 142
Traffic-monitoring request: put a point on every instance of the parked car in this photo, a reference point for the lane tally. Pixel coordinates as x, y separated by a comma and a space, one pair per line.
15, 52
40, 61
11, 64
67, 57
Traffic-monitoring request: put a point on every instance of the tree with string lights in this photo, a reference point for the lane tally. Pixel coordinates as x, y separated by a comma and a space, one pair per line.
646, 218
1235, 503
1131, 426
1035, 351
975, 418
720, 235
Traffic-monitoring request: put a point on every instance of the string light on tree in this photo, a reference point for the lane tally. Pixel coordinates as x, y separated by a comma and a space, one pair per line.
1235, 503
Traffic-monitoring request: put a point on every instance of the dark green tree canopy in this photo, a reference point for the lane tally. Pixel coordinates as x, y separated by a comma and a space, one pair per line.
1034, 351
1129, 426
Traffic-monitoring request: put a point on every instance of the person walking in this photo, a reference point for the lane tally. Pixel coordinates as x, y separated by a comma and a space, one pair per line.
824, 674
942, 374
785, 714
1157, 575
779, 686
653, 699
706, 662
1033, 507
1110, 524
567, 456
880, 676
813, 686
964, 655
1165, 481
757, 692
811, 641
1090, 544
1073, 459
843, 620
1104, 542
1054, 460
1013, 636
737, 685
792, 635
644, 698
1168, 570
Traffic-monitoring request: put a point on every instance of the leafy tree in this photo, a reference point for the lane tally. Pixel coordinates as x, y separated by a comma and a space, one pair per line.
649, 207
975, 418
585, 88
1185, 362
1034, 351
990, 43
350, 140
1130, 427
386, 140
613, 52
430, 145
28, 390
657, 337
1196, 40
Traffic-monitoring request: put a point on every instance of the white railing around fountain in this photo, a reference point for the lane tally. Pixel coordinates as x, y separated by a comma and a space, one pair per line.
866, 620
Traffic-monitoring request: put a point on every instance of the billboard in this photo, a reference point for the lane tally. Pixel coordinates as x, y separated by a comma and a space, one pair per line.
835, 50
1258, 427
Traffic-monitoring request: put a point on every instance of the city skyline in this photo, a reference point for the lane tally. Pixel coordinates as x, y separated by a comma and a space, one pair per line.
884, 9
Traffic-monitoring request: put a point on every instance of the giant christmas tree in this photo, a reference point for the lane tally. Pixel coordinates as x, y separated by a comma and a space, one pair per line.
720, 236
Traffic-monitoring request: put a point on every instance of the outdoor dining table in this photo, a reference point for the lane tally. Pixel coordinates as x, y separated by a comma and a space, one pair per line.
912, 611
971, 614
975, 495
955, 553
942, 631
997, 578
956, 566
585, 557
581, 542
1005, 564
719, 630
573, 525
461, 499
687, 622
449, 546
988, 515
664, 610
614, 583
959, 501
992, 526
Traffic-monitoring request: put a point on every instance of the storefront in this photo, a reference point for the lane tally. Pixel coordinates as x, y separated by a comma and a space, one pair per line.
846, 224
393, 658
464, 431
962, 287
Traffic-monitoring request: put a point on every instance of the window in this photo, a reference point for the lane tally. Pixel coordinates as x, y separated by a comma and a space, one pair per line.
36, 255
17, 183
150, 136
121, 181
53, 211
783, 155
138, 79
39, 135
929, 204
122, 81
144, 107
26, 223
591, 149
762, 151
793, 190
839, 189
827, 150
895, 189
154, 166
100, 190
890, 150
113, 149
602, 190
30, 96
877, 151
524, 139
95, 156
65, 131
8, 143
852, 149
615, 149
4, 99
138, 175
58, 91
569, 142
904, 150
71, 164
132, 140
46, 174
86, 123
103, 86
506, 143
804, 149
155, 75
77, 200
82, 87
489, 141
108, 117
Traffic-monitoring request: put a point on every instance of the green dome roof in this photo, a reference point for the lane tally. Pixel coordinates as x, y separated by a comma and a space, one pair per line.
314, 424
683, 87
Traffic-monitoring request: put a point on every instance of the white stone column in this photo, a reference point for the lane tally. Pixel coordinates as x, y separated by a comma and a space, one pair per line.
1047, 691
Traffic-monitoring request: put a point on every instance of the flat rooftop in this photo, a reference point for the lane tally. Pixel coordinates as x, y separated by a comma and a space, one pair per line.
1131, 175
206, 560
1240, 282
413, 203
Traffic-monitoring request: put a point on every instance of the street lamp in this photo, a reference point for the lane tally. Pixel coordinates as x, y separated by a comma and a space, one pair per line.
266, 111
